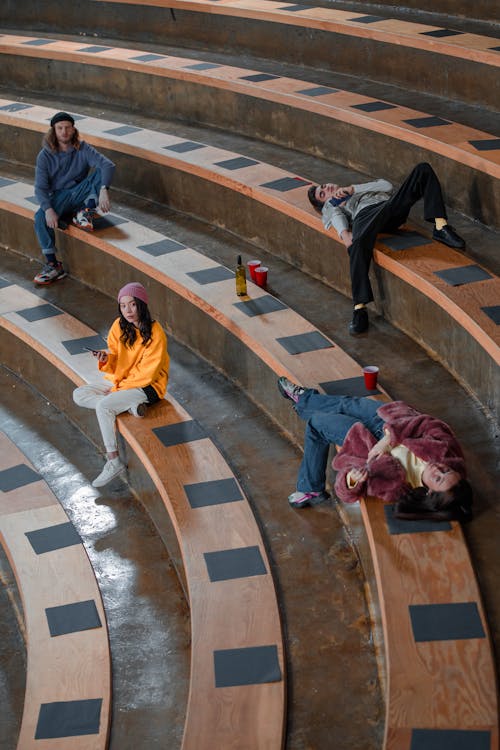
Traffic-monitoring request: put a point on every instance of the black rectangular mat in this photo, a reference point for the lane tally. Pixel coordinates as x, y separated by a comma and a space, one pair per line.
53, 537
72, 618
215, 492
180, 432
226, 564
17, 476
246, 666
446, 622
68, 719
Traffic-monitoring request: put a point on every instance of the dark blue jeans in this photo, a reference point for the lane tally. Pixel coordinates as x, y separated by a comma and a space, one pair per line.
66, 201
329, 419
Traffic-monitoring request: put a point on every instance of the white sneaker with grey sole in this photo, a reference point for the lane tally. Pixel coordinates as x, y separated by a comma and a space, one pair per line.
112, 468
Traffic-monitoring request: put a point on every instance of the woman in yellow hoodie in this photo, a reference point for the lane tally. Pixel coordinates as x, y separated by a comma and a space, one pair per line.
136, 363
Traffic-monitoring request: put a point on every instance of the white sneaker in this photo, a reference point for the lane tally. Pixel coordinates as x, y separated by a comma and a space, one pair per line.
111, 469
139, 410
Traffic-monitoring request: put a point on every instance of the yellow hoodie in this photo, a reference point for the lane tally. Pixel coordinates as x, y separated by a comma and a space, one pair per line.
140, 365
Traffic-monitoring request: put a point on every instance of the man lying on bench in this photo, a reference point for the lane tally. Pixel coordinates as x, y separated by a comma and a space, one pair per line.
359, 212
390, 451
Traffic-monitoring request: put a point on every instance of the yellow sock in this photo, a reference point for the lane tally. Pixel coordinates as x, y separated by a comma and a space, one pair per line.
359, 306
440, 223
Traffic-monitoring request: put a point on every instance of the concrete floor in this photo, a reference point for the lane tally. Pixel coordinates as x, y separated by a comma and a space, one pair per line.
147, 615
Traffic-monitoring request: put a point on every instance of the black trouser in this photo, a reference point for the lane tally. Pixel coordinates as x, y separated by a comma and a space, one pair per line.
387, 216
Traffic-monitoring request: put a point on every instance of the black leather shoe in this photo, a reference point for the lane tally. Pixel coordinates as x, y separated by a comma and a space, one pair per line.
359, 322
448, 236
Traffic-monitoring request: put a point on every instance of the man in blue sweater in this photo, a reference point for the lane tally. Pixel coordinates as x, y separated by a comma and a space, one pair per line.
71, 177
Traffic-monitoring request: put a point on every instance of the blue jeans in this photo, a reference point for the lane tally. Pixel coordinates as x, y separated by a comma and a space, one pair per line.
66, 201
329, 419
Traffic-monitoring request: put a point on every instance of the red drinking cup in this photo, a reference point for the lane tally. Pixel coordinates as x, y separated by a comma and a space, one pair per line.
261, 275
370, 374
252, 265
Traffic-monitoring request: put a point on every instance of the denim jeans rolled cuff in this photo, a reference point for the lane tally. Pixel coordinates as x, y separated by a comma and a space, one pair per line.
66, 201
329, 419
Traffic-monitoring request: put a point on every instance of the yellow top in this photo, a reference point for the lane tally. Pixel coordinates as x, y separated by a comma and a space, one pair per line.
413, 465
139, 365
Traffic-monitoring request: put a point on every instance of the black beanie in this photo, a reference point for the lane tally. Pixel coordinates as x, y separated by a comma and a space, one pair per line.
60, 117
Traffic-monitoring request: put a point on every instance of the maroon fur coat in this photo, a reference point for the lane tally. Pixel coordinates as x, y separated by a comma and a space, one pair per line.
427, 437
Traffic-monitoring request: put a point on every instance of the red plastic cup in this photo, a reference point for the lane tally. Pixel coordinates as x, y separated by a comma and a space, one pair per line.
370, 374
252, 265
261, 275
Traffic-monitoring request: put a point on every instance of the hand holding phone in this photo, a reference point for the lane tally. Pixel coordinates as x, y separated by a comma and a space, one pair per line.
101, 355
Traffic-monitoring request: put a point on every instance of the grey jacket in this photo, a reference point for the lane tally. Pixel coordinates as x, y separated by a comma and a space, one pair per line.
368, 193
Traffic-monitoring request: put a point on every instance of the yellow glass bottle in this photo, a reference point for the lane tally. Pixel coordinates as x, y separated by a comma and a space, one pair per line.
241, 279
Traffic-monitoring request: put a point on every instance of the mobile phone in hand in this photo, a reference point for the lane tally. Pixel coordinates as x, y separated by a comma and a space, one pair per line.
338, 201
94, 351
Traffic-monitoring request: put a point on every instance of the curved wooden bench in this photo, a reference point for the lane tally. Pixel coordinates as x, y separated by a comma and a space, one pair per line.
267, 204
375, 134
237, 683
440, 61
68, 680
434, 629
484, 10
416, 567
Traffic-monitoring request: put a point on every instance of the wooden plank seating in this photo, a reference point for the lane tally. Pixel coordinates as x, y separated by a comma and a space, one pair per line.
68, 680
486, 10
237, 683
312, 118
257, 200
463, 64
440, 677
435, 629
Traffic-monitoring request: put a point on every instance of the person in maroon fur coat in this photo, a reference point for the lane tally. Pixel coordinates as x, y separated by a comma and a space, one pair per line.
390, 451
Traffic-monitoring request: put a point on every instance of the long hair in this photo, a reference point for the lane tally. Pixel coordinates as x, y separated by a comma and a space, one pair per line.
317, 204
50, 139
420, 503
129, 331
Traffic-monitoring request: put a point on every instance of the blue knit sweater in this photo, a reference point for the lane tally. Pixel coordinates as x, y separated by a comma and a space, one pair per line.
57, 170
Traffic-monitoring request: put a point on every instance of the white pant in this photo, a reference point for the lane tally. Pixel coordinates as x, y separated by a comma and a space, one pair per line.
107, 405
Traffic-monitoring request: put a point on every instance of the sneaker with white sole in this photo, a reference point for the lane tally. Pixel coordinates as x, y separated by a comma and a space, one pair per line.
49, 273
112, 468
139, 410
290, 390
84, 219
301, 499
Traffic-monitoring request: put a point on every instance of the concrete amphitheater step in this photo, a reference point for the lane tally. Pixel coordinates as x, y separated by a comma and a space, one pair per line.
377, 136
319, 578
147, 615
463, 68
429, 386
456, 111
410, 276
483, 16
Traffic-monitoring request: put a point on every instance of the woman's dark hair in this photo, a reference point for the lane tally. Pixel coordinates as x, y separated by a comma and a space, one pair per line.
422, 504
311, 194
50, 139
129, 331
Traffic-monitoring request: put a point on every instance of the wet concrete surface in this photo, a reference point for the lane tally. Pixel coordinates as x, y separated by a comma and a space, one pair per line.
148, 618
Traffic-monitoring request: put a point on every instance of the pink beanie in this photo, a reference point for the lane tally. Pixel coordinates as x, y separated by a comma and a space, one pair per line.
134, 289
